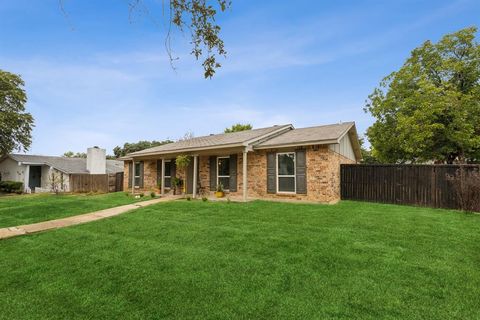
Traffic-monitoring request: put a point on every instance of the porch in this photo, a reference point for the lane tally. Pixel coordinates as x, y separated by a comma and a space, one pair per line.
206, 170
39, 177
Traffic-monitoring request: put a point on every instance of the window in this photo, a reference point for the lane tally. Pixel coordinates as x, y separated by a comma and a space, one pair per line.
286, 172
137, 174
168, 173
223, 172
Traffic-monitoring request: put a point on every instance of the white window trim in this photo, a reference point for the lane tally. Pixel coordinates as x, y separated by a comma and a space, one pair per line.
225, 188
294, 176
170, 176
135, 174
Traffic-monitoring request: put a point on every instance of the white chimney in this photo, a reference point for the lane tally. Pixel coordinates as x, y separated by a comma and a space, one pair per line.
96, 160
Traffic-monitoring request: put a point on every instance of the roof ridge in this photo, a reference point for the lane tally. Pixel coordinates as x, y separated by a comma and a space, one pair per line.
328, 125
218, 139
223, 133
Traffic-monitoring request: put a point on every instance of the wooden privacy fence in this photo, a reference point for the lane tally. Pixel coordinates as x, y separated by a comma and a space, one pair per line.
96, 182
422, 185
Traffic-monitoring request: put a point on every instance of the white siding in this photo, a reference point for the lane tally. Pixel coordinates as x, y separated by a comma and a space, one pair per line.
344, 148
47, 179
10, 170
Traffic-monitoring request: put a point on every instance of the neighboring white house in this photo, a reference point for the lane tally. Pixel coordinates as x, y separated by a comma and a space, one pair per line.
43, 173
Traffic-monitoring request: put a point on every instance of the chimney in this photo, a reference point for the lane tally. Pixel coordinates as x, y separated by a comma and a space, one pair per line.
96, 160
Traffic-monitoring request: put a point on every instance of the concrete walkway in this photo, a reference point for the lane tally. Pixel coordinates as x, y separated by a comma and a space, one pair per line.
73, 220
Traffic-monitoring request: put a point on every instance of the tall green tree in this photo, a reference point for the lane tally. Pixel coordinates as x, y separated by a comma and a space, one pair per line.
238, 127
15, 124
137, 146
429, 110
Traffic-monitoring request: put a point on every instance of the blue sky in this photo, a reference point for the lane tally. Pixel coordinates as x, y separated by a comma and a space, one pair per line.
99, 78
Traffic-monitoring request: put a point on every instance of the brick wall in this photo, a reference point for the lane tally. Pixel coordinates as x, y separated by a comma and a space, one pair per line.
149, 176
323, 175
126, 175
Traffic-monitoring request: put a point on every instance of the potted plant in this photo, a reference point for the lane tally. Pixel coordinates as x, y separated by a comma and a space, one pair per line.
219, 193
182, 161
175, 184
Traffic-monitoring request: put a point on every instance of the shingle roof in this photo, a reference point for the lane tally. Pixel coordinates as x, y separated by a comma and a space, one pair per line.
67, 165
224, 139
311, 134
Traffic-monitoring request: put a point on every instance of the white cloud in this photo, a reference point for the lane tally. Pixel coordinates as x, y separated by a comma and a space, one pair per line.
113, 97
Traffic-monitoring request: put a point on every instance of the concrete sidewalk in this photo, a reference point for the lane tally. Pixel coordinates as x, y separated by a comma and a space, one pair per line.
73, 220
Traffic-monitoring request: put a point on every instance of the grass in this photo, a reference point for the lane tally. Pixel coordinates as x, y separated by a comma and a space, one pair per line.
262, 260
26, 209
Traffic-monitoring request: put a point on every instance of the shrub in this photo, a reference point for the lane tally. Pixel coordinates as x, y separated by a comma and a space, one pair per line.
182, 161
11, 186
176, 184
188, 198
204, 199
466, 185
152, 194
141, 195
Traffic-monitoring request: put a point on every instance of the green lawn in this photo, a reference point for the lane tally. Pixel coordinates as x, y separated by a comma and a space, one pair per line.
25, 209
260, 260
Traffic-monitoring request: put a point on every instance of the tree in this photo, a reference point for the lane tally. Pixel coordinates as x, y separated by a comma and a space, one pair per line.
238, 127
15, 124
187, 136
195, 16
137, 146
429, 110
71, 154
367, 157
56, 181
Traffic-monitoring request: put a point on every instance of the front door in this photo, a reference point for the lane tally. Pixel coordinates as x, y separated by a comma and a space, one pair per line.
190, 177
35, 177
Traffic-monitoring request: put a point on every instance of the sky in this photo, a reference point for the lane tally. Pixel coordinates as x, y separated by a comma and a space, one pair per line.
97, 76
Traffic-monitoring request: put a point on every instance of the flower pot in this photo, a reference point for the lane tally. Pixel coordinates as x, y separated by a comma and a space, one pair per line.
219, 194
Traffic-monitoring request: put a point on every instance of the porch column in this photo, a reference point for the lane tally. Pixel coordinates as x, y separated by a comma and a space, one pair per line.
133, 176
162, 183
244, 163
195, 166
26, 179
51, 179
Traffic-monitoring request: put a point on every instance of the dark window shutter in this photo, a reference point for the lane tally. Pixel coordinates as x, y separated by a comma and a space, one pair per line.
271, 173
141, 174
173, 168
233, 173
130, 173
159, 172
213, 173
301, 171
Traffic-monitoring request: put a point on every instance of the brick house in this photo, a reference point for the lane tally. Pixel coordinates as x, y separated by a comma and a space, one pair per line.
278, 162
